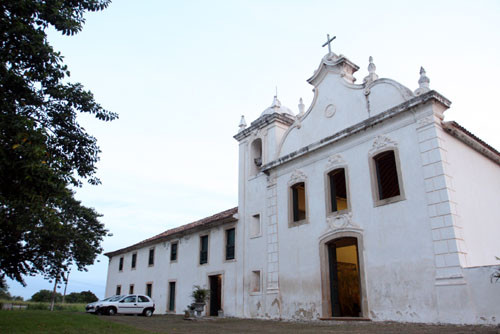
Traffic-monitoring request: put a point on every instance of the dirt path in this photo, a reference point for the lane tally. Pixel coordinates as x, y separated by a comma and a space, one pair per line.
176, 324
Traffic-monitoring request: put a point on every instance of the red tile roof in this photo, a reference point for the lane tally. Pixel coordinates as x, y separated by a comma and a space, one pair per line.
467, 137
221, 217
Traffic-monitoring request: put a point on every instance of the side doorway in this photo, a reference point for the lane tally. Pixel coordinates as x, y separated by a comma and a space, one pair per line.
215, 305
171, 297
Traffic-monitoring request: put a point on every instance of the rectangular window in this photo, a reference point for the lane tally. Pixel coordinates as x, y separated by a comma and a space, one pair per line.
118, 289
387, 175
151, 259
204, 249
131, 289
255, 281
120, 265
338, 190
230, 242
171, 296
255, 226
173, 251
149, 289
134, 260
299, 201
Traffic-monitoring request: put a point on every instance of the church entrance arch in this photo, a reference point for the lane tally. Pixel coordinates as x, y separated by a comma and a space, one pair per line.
343, 288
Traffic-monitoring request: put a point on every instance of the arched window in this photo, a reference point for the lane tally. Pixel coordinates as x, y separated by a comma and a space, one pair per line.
387, 185
298, 192
255, 156
338, 200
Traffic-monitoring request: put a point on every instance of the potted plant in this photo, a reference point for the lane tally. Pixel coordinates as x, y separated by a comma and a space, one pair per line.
200, 297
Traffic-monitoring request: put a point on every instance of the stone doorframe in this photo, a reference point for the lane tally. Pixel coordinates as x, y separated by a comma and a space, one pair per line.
326, 305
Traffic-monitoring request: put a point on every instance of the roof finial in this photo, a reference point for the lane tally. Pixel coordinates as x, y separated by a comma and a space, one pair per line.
276, 95
328, 41
243, 124
423, 83
372, 76
301, 108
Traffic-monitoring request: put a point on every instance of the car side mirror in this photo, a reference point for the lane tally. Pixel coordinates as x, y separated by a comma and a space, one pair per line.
122, 301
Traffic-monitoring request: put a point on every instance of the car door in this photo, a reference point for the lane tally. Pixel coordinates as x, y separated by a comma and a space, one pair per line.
143, 302
128, 305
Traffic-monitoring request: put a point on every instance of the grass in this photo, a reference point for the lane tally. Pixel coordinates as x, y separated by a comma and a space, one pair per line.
46, 306
67, 322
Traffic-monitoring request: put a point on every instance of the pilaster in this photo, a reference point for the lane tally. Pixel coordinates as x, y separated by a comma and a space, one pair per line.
447, 235
272, 285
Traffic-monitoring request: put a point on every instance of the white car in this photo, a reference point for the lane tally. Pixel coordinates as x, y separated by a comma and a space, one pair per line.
91, 307
129, 304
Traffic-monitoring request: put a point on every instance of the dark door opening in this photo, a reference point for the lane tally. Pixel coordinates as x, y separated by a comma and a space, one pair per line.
171, 296
215, 294
345, 288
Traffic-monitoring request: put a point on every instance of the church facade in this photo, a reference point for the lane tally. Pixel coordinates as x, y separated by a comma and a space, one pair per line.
366, 205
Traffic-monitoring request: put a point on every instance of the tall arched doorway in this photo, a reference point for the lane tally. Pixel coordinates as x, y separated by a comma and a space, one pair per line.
343, 288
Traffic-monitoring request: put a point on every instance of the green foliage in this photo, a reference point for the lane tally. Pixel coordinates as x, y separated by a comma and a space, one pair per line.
199, 294
45, 296
43, 149
4, 289
81, 297
45, 322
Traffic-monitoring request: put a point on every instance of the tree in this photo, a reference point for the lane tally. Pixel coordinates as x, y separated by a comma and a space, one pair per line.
83, 297
44, 152
4, 290
45, 296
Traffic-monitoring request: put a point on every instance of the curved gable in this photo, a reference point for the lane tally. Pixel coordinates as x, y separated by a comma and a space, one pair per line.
339, 103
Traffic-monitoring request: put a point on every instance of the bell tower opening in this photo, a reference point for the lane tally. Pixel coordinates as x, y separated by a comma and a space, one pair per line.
255, 156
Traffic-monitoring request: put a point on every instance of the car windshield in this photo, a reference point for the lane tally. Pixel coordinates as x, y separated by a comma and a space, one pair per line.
113, 299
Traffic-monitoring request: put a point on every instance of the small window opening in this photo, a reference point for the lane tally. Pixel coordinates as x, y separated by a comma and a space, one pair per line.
131, 289
255, 225
299, 201
151, 259
230, 242
118, 290
120, 265
173, 251
149, 289
134, 260
338, 190
255, 281
387, 175
204, 249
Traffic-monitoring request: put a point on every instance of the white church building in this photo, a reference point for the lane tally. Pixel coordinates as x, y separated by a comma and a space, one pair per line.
367, 205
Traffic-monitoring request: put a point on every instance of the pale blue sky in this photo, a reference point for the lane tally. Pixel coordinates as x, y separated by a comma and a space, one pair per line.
181, 73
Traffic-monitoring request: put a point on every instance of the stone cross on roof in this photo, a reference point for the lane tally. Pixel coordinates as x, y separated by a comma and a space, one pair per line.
328, 41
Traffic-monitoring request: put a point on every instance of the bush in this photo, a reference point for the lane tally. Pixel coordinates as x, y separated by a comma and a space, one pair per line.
45, 296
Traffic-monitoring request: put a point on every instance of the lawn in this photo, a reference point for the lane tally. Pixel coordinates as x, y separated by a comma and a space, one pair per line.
39, 321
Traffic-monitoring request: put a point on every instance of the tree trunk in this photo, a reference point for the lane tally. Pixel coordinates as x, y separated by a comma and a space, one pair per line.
66, 286
54, 294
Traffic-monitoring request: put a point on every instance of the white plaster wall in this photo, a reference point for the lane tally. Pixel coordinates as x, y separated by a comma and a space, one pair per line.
477, 183
398, 253
484, 294
187, 271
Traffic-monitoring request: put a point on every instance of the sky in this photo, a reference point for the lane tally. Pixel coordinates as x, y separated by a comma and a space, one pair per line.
181, 73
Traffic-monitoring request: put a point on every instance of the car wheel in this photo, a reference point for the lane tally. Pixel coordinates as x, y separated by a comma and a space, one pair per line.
148, 312
111, 311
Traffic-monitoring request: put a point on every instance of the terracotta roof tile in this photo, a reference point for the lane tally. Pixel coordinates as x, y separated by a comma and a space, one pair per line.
205, 222
467, 137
